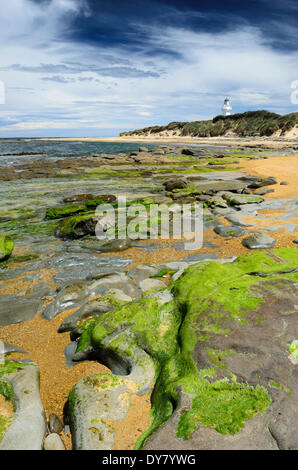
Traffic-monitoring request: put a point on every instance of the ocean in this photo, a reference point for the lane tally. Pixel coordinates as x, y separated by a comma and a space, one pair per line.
14, 151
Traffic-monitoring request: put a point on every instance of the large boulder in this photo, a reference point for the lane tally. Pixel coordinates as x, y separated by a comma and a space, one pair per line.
239, 385
216, 356
19, 383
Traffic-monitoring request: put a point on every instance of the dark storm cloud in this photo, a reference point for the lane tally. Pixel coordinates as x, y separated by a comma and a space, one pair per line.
117, 23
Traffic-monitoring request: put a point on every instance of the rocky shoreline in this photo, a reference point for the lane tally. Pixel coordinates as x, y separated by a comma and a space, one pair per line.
184, 349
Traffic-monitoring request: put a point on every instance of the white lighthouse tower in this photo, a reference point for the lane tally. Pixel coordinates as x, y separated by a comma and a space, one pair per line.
227, 108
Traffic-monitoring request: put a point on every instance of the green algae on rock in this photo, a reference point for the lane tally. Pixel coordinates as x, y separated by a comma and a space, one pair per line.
23, 390
6, 246
6, 391
77, 226
212, 303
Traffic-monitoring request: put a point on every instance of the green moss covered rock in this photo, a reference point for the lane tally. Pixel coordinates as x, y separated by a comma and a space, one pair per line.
6, 246
214, 348
77, 226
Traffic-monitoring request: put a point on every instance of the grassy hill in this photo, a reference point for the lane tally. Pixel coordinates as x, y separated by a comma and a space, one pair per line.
249, 124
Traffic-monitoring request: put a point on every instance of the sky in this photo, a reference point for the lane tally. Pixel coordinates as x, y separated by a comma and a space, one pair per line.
94, 68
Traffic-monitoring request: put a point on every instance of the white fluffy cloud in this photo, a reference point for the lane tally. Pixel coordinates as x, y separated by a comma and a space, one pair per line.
55, 84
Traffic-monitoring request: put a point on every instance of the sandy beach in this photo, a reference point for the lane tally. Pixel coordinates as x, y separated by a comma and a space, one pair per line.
265, 142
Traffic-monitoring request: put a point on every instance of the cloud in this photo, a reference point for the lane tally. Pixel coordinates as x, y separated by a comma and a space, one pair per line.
117, 72
175, 74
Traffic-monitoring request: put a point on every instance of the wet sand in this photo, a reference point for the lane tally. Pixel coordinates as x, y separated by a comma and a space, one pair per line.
282, 168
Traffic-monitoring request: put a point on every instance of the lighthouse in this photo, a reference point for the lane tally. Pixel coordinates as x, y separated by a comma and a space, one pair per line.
227, 108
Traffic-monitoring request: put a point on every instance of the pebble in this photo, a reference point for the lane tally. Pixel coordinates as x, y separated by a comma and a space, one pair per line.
55, 424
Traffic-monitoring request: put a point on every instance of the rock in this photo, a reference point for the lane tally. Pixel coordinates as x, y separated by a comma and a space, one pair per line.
18, 309
228, 231
92, 401
148, 284
92, 308
6, 246
196, 178
106, 247
246, 191
70, 295
220, 350
239, 199
77, 227
143, 149
116, 245
258, 241
53, 442
259, 182
79, 266
55, 425
28, 427
175, 184
284, 183
235, 219
118, 295
107, 198
143, 271
217, 186
255, 352
263, 191
78, 198
69, 353
187, 151
217, 201
9, 348
204, 197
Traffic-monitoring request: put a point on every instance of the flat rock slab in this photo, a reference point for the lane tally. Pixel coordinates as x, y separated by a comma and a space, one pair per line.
106, 247
18, 309
239, 199
258, 182
74, 266
258, 241
217, 186
228, 231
